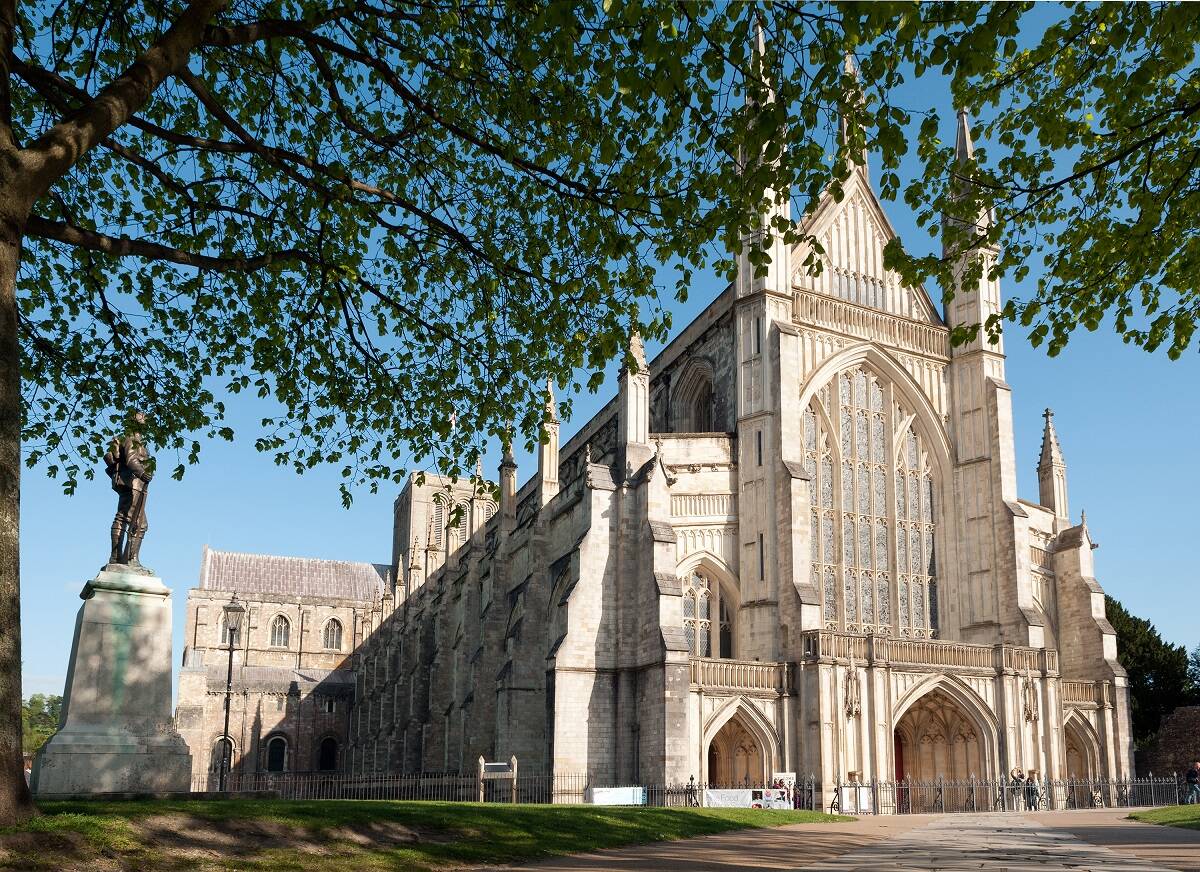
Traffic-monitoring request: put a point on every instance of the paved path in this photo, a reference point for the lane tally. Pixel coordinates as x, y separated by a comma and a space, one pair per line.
1083, 841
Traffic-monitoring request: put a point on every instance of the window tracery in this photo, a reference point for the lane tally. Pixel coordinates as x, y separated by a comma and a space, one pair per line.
331, 637
281, 629
707, 617
871, 504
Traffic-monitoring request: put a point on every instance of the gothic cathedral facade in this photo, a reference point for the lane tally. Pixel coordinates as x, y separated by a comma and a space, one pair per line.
791, 543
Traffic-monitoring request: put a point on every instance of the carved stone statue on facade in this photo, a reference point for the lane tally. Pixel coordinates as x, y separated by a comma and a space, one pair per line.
130, 468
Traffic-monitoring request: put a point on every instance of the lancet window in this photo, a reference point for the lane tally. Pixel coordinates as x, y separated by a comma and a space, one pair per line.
707, 617
872, 512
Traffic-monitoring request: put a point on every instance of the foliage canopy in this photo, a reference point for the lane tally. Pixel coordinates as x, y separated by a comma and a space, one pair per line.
398, 221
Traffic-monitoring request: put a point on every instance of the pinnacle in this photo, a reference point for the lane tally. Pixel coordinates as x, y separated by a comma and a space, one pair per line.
964, 145
1051, 451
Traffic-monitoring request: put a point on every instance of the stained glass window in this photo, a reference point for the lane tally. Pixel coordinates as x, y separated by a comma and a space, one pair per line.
868, 533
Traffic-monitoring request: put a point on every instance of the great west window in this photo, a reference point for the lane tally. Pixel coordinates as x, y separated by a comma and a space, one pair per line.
872, 491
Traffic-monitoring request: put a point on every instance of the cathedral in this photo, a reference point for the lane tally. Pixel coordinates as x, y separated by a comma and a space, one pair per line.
792, 542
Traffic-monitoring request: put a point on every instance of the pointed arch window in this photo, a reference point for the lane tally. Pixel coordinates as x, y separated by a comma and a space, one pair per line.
872, 517
693, 398
281, 631
708, 622
331, 637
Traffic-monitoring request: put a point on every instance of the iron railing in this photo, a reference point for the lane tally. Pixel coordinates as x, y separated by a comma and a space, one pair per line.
986, 795
873, 797
563, 788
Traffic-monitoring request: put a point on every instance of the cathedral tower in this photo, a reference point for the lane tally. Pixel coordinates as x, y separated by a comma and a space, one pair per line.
762, 308
994, 554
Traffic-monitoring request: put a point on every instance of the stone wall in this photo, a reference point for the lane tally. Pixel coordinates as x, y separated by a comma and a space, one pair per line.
1177, 745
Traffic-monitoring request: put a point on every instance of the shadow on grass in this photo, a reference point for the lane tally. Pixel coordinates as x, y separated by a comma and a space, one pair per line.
346, 835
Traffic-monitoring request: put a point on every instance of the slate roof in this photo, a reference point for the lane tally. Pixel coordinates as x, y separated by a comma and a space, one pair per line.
292, 576
280, 678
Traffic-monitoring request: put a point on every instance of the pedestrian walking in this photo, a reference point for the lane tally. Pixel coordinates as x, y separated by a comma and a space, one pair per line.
1193, 784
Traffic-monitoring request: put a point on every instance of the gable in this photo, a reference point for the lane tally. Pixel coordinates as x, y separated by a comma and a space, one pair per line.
853, 233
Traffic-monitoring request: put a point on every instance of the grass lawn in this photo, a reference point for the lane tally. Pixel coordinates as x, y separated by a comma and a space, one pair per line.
341, 836
1187, 816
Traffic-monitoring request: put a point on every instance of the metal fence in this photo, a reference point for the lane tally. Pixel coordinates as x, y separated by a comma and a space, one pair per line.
568, 788
874, 797
986, 795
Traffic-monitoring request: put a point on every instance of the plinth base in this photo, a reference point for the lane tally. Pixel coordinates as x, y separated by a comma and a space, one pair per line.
117, 734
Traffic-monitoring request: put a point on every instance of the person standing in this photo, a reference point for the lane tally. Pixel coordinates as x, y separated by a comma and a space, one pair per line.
1193, 784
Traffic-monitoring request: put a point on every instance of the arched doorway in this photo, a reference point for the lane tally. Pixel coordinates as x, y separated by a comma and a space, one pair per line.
276, 754
938, 738
1081, 760
327, 754
736, 756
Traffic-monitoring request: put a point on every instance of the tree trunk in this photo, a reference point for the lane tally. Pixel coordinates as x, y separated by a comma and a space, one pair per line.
16, 804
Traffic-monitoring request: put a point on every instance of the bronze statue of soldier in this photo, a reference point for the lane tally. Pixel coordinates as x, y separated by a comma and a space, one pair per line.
130, 468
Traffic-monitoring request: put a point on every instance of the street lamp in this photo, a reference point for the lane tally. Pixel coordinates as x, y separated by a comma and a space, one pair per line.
234, 611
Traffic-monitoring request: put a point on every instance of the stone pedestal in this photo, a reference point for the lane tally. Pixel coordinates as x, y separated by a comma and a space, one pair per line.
116, 733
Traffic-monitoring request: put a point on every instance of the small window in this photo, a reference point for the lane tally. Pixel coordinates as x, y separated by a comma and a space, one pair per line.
328, 705
328, 754
276, 754
762, 559
281, 631
226, 641
332, 637
758, 335
758, 443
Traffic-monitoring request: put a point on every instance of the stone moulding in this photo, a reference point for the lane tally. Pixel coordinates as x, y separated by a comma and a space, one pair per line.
830, 646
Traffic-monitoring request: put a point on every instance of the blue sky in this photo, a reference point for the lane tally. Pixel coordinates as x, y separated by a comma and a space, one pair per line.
1127, 422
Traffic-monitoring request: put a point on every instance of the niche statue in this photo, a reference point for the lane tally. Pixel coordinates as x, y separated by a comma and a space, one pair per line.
130, 468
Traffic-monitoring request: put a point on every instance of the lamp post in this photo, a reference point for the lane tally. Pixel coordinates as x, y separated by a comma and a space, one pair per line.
234, 611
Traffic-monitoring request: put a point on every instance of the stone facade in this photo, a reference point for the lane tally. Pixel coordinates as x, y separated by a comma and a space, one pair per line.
791, 542
293, 686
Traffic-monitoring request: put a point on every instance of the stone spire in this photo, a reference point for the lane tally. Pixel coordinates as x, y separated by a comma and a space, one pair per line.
964, 155
964, 145
778, 277
1052, 471
855, 101
548, 448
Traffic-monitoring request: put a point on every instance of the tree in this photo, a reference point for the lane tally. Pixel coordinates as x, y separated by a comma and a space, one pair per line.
39, 720
1158, 671
1097, 181
1194, 669
395, 222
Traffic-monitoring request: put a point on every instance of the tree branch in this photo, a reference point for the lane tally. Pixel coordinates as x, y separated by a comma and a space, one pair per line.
67, 141
118, 246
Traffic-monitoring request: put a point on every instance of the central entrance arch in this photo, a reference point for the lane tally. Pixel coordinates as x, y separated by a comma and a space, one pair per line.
937, 737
